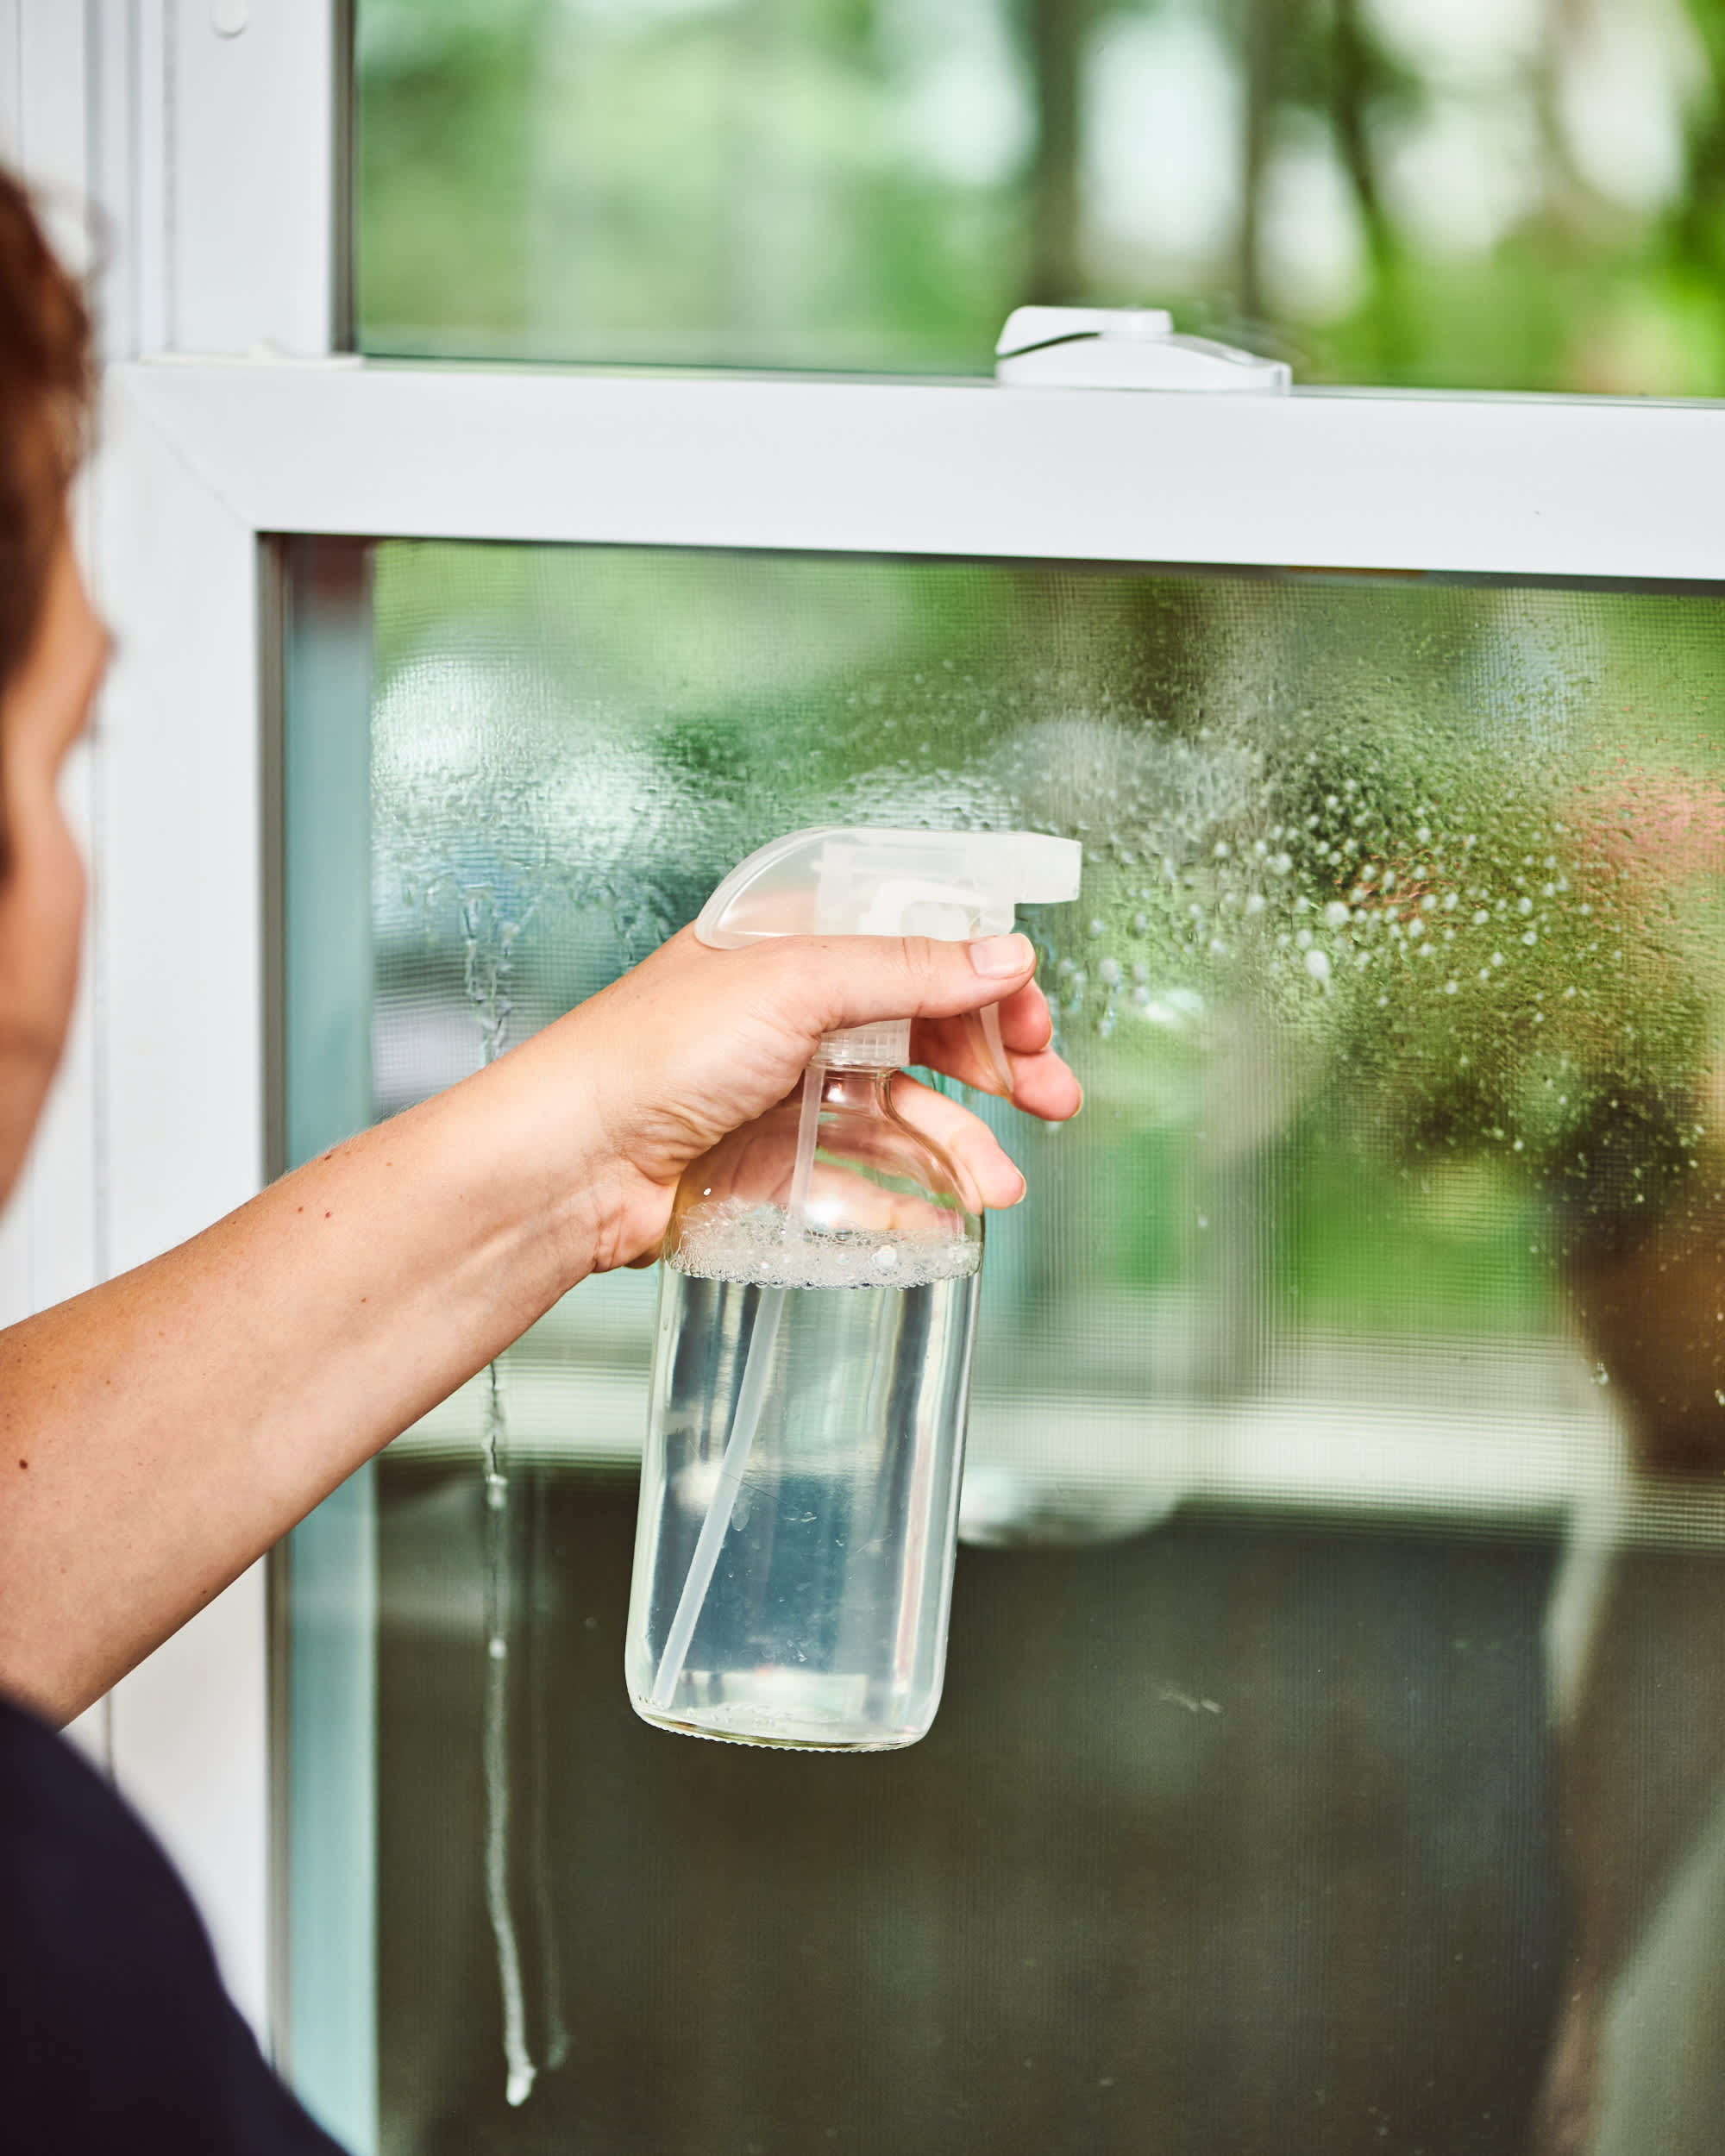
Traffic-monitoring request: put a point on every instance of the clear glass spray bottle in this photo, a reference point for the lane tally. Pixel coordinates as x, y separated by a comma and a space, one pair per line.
800, 1487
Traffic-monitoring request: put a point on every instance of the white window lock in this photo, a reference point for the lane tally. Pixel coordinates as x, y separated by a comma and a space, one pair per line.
1125, 348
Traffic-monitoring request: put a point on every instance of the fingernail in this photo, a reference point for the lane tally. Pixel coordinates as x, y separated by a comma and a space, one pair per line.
994, 957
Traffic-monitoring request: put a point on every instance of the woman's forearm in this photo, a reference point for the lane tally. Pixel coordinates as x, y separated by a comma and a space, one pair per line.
157, 1434
162, 1431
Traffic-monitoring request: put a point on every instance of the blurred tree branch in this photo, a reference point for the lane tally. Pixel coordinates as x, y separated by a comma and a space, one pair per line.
1360, 82
1695, 225
1264, 33
1055, 32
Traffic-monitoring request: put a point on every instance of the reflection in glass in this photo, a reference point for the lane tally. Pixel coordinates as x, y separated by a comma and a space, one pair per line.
1520, 196
1329, 1755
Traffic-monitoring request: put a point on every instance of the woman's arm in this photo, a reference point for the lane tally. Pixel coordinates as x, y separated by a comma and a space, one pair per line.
162, 1431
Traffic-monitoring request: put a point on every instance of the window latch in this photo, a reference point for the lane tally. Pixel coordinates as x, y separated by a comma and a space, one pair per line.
1125, 348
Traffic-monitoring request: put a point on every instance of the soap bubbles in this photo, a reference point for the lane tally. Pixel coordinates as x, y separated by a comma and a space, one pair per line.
1396, 823
756, 1245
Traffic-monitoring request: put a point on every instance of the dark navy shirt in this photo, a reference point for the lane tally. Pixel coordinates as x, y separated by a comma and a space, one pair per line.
116, 2038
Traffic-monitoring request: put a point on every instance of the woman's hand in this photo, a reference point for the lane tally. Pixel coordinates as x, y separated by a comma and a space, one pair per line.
176, 1419
694, 1043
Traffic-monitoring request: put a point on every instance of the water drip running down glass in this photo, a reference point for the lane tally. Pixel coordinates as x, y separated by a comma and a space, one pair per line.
539, 1677
488, 945
518, 2059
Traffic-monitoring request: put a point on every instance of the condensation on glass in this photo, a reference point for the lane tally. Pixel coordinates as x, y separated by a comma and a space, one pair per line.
1332, 1754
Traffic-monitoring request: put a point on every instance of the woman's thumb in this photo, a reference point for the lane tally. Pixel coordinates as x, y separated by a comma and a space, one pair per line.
918, 977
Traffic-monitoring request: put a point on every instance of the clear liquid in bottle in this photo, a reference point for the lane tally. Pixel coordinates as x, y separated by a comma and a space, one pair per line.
823, 1621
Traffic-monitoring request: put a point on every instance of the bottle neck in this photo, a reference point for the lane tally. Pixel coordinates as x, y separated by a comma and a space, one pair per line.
883, 1046
862, 1088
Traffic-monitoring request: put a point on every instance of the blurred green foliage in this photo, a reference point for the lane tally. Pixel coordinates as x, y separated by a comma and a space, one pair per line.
1525, 197
1506, 1051
1407, 890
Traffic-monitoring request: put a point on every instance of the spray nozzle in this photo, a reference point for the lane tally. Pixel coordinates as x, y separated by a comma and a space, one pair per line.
835, 881
840, 880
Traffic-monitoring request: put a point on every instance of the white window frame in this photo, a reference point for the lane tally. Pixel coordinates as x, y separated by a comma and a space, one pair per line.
216, 159
202, 460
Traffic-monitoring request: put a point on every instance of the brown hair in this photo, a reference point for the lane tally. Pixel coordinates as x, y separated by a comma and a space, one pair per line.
45, 393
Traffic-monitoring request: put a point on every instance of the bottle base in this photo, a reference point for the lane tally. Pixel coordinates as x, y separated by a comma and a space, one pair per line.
812, 1715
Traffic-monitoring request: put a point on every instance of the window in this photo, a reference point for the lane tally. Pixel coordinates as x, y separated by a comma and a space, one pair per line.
1301, 1517
1391, 1025
1479, 198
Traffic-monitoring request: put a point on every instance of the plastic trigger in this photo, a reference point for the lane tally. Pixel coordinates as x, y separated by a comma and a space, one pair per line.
996, 1048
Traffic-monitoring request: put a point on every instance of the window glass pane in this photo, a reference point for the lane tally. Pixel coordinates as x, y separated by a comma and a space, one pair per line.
1331, 1750
1517, 197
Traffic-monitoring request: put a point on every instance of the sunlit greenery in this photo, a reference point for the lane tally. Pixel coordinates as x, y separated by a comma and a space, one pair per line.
1421, 191
1409, 887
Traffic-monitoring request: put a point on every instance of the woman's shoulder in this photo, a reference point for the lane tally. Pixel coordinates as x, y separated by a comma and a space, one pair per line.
115, 2030
53, 1798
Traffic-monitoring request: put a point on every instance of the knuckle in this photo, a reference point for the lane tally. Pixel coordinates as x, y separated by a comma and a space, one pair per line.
924, 962
801, 976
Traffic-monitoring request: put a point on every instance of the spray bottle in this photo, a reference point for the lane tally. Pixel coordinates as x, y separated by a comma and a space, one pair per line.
800, 1489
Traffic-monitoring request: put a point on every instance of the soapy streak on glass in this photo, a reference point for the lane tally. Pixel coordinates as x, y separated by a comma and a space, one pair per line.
1392, 989
488, 942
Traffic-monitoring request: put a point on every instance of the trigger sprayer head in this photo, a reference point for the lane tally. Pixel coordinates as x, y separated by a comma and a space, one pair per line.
853, 880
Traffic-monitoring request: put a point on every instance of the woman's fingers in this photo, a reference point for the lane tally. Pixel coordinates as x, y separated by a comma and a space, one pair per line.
1026, 1024
695, 1043
1041, 1083
1045, 1086
946, 987
986, 1176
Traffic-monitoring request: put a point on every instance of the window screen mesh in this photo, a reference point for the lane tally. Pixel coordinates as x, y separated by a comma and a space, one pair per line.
1349, 1400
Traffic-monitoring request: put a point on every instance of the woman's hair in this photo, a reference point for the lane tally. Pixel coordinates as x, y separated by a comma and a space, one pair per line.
46, 375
